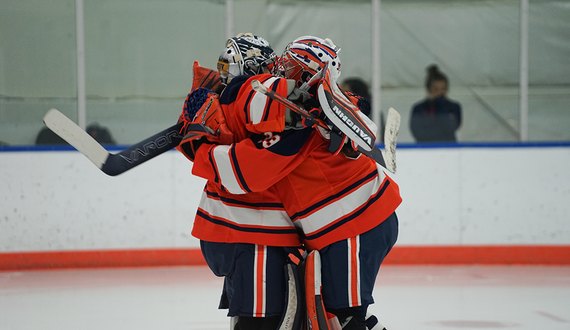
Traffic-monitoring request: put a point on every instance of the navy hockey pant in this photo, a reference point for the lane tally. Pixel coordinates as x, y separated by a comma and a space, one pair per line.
349, 267
254, 278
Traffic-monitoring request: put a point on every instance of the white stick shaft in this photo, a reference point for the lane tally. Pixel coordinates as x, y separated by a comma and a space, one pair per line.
390, 139
74, 135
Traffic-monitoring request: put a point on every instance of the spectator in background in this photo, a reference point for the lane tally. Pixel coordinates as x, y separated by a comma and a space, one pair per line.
46, 136
101, 134
437, 118
360, 88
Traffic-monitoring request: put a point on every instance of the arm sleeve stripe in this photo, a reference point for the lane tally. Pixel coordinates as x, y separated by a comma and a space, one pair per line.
259, 103
239, 174
274, 89
213, 162
246, 107
224, 168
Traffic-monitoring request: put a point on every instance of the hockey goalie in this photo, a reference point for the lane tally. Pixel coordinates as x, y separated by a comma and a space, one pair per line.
277, 184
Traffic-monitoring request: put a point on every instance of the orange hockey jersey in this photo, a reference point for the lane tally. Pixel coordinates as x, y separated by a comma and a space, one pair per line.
246, 217
320, 198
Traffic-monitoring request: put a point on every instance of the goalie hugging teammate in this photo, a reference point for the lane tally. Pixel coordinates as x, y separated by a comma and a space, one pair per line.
294, 218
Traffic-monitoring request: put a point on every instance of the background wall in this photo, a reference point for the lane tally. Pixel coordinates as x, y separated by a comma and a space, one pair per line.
139, 55
59, 201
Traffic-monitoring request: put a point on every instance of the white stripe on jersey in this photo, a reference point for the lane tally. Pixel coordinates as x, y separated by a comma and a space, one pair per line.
245, 215
381, 173
258, 103
324, 216
225, 169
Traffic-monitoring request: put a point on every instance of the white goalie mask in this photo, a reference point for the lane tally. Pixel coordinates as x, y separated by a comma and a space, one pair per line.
245, 54
306, 56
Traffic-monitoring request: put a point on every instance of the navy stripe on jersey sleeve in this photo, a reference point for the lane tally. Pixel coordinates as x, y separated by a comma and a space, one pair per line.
270, 100
246, 106
237, 170
213, 163
231, 91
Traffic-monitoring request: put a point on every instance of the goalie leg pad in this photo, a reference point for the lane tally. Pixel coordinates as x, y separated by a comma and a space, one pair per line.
316, 314
294, 312
294, 308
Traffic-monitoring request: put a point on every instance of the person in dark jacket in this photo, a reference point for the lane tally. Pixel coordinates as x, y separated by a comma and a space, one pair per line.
437, 118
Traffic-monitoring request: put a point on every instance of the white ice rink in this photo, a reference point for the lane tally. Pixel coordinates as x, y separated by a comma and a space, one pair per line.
176, 298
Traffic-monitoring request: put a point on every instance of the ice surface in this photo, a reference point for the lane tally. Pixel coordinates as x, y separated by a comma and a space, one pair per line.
407, 298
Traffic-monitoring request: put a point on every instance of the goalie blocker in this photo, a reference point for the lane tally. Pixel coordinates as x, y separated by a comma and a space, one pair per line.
343, 114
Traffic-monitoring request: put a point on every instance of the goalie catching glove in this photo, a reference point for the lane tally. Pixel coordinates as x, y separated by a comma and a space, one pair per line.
204, 121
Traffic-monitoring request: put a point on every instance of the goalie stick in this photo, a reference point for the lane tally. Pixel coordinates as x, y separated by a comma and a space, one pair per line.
112, 164
375, 153
390, 138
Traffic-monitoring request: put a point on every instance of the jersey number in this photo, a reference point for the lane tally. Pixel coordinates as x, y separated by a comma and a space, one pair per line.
270, 139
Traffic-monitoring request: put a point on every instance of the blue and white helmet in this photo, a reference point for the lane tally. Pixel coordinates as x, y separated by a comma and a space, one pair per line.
245, 54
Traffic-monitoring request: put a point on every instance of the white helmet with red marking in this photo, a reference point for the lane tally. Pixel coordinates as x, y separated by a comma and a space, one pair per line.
306, 56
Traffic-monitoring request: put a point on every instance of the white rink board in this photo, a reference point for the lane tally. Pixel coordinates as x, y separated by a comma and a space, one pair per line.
484, 196
61, 201
58, 200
